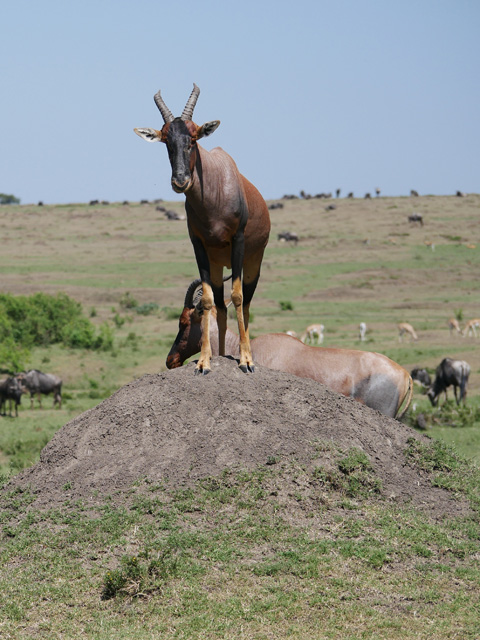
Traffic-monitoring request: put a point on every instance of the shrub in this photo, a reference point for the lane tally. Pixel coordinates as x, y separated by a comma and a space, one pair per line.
104, 339
147, 308
79, 334
13, 357
8, 199
41, 320
37, 320
285, 305
127, 301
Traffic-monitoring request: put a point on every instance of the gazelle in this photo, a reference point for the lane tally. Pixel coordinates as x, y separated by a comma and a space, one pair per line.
453, 325
362, 331
406, 328
471, 327
227, 218
313, 334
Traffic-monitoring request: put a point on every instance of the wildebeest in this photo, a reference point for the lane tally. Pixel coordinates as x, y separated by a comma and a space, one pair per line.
416, 217
10, 389
450, 373
227, 218
421, 376
288, 236
38, 383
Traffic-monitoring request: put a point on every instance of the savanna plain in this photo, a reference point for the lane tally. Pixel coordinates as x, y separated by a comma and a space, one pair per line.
221, 560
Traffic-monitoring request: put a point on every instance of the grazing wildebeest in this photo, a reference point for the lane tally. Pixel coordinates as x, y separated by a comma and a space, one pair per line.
421, 376
10, 389
227, 218
450, 373
38, 383
416, 217
288, 236
370, 378
414, 193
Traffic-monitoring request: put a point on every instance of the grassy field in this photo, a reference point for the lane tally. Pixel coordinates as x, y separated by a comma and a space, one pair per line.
361, 262
224, 561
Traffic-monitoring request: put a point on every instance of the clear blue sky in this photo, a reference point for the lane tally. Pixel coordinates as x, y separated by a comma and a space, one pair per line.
312, 94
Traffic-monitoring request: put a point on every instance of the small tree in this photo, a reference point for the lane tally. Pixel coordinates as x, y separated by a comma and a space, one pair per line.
8, 199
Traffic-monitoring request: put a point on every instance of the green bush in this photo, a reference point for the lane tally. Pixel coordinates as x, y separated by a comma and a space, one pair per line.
147, 308
104, 339
42, 320
8, 199
79, 334
127, 301
13, 357
37, 320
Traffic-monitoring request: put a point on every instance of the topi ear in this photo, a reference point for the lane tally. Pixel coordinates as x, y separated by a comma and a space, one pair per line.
150, 135
208, 128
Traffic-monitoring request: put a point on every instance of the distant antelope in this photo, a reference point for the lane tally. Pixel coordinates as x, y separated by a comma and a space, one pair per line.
453, 325
377, 192
471, 327
227, 218
362, 331
313, 334
405, 327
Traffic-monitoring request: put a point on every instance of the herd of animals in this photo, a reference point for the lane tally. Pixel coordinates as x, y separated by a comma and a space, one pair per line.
229, 226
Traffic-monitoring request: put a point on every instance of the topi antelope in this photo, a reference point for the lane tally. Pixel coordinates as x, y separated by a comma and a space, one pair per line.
227, 218
405, 327
370, 378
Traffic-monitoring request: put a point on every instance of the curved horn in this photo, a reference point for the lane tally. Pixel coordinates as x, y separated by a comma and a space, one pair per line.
162, 107
193, 297
190, 106
190, 298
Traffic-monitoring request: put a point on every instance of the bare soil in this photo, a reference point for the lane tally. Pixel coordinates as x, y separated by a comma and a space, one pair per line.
175, 428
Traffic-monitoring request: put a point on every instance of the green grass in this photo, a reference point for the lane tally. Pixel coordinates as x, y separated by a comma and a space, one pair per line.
228, 559
235, 557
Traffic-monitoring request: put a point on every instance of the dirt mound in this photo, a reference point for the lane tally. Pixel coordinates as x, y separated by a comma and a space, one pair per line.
178, 427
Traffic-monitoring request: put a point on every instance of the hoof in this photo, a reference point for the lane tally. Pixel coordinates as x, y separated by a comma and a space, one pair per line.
202, 372
246, 368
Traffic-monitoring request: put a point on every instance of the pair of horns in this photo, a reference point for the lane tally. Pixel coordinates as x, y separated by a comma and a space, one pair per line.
195, 291
187, 112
